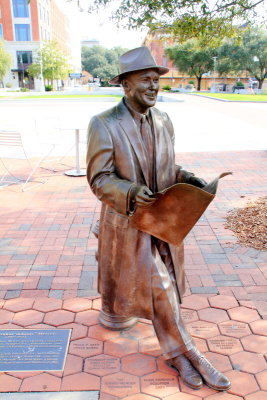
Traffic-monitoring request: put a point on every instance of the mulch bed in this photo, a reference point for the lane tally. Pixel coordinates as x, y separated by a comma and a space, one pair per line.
250, 224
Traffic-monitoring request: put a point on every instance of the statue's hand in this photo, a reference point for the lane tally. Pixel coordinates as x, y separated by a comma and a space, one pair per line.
198, 182
143, 196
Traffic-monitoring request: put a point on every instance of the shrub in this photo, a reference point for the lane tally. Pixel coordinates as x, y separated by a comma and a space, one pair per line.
240, 84
24, 89
9, 85
48, 88
166, 87
192, 83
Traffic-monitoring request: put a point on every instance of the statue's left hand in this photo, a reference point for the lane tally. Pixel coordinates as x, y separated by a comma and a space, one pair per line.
195, 181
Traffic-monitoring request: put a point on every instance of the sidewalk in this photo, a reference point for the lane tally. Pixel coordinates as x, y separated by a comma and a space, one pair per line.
49, 280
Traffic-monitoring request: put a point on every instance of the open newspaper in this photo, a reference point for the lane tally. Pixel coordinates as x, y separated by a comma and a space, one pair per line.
176, 211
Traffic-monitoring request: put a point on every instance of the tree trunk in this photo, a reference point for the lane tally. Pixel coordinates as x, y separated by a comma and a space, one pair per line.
199, 83
260, 82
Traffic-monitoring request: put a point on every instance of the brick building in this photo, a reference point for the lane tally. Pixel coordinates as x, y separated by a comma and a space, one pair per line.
23, 28
157, 43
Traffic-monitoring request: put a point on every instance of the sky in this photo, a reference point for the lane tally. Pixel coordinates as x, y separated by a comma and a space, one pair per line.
98, 26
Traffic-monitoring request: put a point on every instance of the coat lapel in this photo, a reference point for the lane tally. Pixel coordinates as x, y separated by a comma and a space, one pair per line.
159, 150
127, 123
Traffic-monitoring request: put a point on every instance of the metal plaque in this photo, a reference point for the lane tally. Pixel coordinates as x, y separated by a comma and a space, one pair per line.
33, 349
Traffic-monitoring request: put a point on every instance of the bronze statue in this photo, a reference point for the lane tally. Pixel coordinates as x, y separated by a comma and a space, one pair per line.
130, 157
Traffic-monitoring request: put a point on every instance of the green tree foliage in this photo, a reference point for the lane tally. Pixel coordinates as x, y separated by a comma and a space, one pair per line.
192, 58
52, 61
101, 62
5, 60
210, 20
249, 55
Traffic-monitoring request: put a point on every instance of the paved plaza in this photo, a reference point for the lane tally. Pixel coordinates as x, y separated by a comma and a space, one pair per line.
49, 275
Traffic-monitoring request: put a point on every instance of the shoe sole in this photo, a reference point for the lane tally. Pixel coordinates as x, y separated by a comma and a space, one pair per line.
215, 388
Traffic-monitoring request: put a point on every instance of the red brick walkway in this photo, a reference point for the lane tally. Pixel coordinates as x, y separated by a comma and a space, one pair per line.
47, 258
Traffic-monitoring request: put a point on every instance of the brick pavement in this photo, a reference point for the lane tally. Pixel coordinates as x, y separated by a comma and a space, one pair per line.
48, 277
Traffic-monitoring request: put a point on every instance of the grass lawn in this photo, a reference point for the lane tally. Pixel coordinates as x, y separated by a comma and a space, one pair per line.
235, 96
66, 96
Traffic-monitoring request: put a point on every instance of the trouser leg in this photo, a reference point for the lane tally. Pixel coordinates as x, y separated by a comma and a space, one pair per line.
174, 339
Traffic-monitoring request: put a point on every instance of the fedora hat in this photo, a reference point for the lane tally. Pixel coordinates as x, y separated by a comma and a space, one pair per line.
136, 60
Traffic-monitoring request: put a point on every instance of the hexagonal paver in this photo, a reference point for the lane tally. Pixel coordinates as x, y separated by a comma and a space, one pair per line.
224, 345
141, 396
97, 304
102, 365
213, 315
248, 362
6, 316
78, 331
9, 383
28, 317
16, 305
224, 396
59, 317
86, 347
119, 347
260, 395
259, 327
139, 331
189, 315
181, 396
150, 346
195, 302
262, 380
244, 314
88, 318
77, 304
73, 365
203, 329
138, 364
223, 302
221, 362
159, 384
47, 304
255, 343
106, 396
201, 344
163, 367
80, 381
98, 332
120, 384
234, 329
41, 383
242, 383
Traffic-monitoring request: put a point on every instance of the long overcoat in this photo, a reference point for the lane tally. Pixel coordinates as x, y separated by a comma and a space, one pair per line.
115, 162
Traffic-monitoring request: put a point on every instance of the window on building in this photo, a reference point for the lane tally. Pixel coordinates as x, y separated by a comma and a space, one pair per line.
22, 32
24, 59
20, 8
1, 31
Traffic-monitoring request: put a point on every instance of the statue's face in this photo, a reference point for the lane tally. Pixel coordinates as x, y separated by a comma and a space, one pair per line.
141, 89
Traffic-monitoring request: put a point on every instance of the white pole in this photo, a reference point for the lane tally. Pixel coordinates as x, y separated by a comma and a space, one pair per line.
42, 88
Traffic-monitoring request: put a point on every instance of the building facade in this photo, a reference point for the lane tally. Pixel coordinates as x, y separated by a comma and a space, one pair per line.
176, 79
23, 28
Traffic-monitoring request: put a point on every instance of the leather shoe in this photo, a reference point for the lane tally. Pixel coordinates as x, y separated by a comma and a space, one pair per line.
211, 376
187, 372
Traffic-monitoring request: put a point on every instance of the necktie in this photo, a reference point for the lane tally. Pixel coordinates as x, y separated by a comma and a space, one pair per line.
145, 132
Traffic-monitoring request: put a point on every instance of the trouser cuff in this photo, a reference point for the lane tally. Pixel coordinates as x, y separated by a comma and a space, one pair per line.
178, 351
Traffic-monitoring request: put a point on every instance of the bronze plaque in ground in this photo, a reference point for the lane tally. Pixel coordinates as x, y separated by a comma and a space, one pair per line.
33, 349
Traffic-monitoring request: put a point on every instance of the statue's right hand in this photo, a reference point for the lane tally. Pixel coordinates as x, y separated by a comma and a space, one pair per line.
143, 196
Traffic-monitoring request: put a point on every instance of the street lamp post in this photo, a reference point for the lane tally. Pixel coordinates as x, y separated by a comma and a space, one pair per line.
214, 72
22, 68
42, 88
